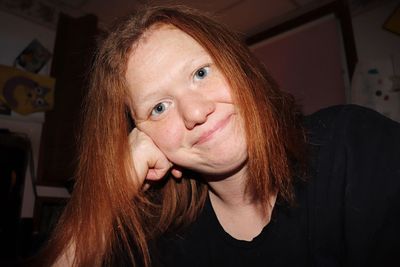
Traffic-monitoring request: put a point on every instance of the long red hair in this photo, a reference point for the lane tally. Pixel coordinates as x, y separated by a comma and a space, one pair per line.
108, 211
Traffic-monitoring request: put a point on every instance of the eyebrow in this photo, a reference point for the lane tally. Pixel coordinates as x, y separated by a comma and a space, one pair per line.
149, 96
188, 64
146, 98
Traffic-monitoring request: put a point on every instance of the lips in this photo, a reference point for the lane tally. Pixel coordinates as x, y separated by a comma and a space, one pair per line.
207, 135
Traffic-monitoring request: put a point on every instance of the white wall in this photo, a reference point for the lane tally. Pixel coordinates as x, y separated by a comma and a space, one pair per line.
15, 34
374, 82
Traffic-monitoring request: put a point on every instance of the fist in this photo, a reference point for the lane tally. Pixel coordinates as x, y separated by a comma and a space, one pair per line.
149, 161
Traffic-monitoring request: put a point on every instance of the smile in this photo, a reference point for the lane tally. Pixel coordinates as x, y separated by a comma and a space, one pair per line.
209, 134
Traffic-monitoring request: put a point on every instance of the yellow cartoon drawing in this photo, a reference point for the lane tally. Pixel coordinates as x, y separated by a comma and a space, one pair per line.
25, 92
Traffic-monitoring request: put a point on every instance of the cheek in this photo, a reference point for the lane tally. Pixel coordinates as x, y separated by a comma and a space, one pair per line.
168, 136
220, 91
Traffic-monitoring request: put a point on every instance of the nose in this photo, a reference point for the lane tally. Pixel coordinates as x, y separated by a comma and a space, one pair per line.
195, 108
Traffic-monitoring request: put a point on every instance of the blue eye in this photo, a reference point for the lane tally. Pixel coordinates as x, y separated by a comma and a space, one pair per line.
201, 73
159, 108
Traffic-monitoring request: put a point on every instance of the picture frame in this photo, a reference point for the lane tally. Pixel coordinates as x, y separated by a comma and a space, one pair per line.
33, 57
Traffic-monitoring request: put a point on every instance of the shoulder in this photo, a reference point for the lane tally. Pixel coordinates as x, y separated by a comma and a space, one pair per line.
347, 120
357, 129
360, 143
356, 157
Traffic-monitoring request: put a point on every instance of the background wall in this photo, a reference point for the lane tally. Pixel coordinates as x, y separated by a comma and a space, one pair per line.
376, 82
372, 41
308, 62
15, 34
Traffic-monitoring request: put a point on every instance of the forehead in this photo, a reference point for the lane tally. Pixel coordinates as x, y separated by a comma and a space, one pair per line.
161, 48
162, 56
158, 41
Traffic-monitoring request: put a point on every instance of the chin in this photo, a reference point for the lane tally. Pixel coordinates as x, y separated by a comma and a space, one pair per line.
222, 167
220, 174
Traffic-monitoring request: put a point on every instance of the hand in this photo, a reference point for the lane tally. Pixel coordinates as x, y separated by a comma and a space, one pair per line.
149, 162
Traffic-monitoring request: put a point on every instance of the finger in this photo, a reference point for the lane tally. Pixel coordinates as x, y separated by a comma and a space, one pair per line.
176, 173
146, 186
156, 174
160, 169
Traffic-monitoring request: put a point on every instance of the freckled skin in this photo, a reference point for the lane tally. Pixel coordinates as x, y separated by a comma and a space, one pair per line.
198, 127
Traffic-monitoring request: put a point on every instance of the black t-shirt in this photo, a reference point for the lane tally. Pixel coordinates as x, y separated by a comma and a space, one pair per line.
347, 213
206, 243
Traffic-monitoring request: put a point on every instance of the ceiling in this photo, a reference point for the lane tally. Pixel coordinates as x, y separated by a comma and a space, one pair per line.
247, 17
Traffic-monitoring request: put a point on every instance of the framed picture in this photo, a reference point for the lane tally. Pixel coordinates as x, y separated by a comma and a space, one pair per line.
33, 57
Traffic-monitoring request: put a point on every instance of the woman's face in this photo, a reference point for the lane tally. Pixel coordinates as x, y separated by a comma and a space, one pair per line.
182, 101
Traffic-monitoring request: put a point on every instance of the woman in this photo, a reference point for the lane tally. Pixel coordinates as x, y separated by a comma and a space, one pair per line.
220, 169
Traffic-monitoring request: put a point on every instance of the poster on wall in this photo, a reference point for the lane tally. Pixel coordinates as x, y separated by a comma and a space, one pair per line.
33, 57
25, 92
376, 84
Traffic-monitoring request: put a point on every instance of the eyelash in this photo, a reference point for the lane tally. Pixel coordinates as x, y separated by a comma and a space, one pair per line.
154, 110
204, 70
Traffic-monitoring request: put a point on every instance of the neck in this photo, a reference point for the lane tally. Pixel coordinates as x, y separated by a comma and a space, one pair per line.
230, 191
239, 214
